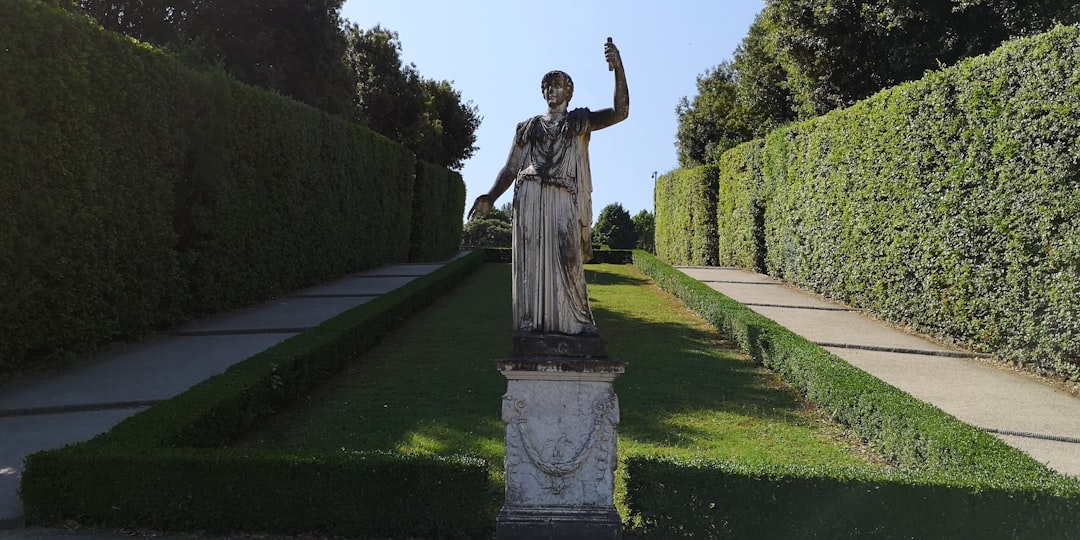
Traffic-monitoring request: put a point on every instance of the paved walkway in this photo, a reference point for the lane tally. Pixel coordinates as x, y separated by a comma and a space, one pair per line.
1032, 415
76, 405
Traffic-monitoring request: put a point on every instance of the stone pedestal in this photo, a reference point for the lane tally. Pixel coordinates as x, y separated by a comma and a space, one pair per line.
560, 414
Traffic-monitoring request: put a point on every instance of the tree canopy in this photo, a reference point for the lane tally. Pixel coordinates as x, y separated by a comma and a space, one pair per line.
645, 231
304, 50
803, 58
295, 48
614, 228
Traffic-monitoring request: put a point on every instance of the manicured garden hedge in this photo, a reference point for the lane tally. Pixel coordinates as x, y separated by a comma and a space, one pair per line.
740, 207
167, 468
686, 216
935, 453
437, 207
950, 204
703, 499
136, 193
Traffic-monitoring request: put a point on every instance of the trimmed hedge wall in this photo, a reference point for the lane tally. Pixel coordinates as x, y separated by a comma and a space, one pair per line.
740, 207
91, 154
686, 216
934, 452
166, 468
137, 193
437, 207
949, 204
714, 499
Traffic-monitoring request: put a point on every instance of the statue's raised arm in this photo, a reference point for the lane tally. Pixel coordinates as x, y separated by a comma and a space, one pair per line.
548, 166
620, 109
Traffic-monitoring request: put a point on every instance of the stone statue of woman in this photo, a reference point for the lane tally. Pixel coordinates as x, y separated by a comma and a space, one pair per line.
552, 219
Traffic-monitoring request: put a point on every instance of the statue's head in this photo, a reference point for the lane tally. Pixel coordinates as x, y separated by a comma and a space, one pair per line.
558, 77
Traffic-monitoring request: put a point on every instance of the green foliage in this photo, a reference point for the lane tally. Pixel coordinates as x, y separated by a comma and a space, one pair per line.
281, 197
137, 193
947, 204
91, 155
425, 116
846, 50
761, 91
295, 48
716, 499
614, 228
438, 204
686, 216
164, 468
492, 231
645, 231
712, 122
740, 207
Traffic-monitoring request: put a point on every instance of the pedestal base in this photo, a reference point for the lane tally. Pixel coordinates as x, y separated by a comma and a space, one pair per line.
560, 415
558, 524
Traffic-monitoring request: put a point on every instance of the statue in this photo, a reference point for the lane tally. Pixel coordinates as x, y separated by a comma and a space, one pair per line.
552, 206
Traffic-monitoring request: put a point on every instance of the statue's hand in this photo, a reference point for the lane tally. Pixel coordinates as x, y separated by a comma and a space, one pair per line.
611, 53
481, 207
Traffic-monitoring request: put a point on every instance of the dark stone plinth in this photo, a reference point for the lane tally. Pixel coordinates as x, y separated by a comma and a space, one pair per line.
558, 524
548, 345
601, 368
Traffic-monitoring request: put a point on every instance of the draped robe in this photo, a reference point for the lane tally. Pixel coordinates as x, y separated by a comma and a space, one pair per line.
552, 236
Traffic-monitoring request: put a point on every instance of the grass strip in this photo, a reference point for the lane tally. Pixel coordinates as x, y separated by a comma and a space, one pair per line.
432, 387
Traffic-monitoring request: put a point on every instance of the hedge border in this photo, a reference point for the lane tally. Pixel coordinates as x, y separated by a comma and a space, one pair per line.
166, 468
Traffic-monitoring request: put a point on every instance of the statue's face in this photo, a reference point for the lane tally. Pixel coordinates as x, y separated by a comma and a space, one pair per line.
557, 92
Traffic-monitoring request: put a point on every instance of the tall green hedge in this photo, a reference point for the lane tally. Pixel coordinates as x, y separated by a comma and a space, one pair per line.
740, 207
136, 193
685, 203
950, 204
437, 211
91, 155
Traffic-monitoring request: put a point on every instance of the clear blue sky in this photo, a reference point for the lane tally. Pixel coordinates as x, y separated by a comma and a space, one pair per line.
495, 52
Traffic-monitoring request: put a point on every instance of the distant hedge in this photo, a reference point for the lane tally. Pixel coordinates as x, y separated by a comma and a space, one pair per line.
950, 204
136, 193
685, 203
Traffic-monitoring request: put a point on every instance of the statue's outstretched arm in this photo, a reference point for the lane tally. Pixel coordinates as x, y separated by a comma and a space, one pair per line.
483, 204
620, 110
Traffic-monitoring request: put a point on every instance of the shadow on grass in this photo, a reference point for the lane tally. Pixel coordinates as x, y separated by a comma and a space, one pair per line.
432, 387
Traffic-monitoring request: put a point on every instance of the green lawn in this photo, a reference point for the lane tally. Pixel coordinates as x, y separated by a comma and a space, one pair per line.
432, 386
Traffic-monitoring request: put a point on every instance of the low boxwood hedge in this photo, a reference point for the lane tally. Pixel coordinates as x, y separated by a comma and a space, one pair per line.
168, 467
715, 499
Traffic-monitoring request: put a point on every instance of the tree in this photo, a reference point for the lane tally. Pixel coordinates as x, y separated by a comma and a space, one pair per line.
494, 230
453, 126
761, 93
426, 116
712, 122
295, 48
614, 228
840, 51
645, 231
